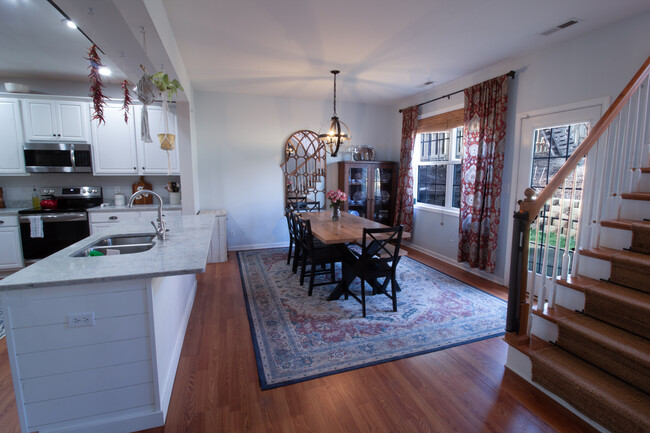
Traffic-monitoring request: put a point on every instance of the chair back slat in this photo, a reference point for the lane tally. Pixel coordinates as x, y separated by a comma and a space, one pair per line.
381, 245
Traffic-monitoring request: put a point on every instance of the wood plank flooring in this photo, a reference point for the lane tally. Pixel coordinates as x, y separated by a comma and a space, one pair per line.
462, 389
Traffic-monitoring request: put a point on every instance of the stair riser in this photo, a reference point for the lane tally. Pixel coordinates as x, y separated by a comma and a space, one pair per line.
569, 298
615, 238
594, 268
635, 209
544, 329
644, 183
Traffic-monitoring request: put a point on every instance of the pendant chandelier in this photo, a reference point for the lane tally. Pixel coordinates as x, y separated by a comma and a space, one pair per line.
337, 132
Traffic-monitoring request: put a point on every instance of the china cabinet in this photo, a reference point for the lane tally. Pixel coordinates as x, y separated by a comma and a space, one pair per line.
371, 187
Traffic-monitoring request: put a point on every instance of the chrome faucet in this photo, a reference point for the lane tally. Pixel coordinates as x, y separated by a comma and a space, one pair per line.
161, 227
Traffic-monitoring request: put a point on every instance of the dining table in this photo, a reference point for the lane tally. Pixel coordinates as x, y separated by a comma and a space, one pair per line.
348, 229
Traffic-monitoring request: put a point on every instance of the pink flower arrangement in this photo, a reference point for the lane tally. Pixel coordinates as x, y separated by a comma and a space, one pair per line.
336, 197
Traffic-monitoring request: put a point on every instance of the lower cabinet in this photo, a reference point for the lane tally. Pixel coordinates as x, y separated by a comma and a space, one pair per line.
11, 252
100, 221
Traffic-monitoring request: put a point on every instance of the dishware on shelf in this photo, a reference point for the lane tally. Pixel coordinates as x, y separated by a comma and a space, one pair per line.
385, 197
363, 153
385, 176
359, 197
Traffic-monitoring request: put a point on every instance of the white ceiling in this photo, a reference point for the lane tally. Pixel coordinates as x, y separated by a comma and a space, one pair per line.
385, 49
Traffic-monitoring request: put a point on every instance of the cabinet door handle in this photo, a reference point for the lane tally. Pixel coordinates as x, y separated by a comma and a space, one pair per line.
2, 222
112, 218
135, 168
143, 168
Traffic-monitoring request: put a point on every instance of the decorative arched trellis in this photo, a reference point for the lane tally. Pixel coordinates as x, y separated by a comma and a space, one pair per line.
305, 168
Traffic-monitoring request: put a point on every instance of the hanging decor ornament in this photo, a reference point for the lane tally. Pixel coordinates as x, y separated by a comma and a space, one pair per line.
146, 93
127, 100
337, 132
96, 93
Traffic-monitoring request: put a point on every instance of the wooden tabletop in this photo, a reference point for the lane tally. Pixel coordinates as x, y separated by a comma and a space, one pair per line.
349, 228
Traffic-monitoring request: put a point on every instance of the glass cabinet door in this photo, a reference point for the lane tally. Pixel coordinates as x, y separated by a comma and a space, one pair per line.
358, 193
383, 189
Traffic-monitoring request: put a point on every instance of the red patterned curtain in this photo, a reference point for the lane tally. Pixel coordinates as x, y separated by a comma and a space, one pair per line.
486, 106
404, 208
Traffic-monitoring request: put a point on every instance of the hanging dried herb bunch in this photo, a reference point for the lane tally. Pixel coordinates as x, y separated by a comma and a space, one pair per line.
99, 99
127, 100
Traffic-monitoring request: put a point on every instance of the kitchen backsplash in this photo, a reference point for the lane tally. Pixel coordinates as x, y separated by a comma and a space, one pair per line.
18, 189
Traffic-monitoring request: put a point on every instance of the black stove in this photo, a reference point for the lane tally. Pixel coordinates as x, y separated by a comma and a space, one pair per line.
46, 231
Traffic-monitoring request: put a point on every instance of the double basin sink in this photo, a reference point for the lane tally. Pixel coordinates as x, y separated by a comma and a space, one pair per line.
118, 244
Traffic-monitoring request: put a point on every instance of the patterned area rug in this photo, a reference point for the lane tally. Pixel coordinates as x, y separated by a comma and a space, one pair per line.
297, 337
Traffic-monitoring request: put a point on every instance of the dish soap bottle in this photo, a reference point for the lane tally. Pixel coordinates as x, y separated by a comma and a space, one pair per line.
36, 201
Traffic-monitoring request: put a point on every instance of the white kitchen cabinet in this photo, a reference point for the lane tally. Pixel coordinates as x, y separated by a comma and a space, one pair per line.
11, 252
65, 121
118, 149
12, 158
152, 159
114, 145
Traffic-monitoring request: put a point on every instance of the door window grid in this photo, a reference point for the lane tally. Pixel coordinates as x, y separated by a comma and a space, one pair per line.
552, 147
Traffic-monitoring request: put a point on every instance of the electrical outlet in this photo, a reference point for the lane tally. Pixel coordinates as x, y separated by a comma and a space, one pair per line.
451, 242
231, 233
77, 320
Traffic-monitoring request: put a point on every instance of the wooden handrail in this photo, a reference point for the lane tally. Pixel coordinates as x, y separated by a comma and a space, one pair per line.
533, 207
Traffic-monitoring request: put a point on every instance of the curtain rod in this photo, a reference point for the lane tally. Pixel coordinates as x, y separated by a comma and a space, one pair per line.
510, 74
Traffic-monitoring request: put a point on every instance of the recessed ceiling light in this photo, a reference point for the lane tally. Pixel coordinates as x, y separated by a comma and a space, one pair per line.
105, 71
70, 24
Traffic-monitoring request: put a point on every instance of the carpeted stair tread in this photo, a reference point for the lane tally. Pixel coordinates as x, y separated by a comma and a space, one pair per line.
619, 306
608, 401
631, 269
620, 353
641, 237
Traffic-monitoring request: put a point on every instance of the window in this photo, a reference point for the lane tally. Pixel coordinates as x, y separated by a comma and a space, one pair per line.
437, 166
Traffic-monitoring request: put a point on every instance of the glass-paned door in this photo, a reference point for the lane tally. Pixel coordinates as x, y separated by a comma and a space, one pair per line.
358, 195
383, 190
558, 221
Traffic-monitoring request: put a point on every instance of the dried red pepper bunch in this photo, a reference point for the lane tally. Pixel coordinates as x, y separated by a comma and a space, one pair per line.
127, 100
99, 99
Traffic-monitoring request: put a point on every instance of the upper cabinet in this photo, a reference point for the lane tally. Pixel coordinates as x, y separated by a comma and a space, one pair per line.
114, 146
12, 158
66, 121
154, 160
118, 148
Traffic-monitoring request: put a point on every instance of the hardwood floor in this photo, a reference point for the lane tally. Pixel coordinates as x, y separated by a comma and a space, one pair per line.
462, 389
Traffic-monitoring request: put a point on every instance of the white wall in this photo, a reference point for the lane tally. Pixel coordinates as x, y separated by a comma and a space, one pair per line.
596, 65
240, 148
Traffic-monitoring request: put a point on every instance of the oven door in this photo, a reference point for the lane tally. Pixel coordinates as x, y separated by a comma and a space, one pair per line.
59, 231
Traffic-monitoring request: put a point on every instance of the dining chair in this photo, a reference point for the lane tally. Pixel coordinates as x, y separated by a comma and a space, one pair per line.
292, 237
305, 206
378, 259
317, 255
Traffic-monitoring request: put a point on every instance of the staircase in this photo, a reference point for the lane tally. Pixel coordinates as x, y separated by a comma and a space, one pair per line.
586, 340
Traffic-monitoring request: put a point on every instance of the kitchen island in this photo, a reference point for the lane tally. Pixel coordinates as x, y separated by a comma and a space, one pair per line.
94, 342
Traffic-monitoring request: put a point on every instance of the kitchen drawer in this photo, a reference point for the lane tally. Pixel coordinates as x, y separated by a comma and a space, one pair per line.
113, 217
8, 221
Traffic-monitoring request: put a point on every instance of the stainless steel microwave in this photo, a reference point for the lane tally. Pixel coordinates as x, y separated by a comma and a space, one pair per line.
57, 158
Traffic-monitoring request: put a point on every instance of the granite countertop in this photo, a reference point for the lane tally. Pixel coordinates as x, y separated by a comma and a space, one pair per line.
134, 208
184, 252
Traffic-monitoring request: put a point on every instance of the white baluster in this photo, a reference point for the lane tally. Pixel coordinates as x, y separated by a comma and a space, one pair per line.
541, 299
551, 298
574, 270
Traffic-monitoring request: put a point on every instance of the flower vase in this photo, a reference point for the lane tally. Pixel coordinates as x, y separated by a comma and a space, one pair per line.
336, 213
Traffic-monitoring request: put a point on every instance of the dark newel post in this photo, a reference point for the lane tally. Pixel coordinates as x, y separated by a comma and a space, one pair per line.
516, 266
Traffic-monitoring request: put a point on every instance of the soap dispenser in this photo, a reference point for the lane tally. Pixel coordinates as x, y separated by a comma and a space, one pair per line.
36, 201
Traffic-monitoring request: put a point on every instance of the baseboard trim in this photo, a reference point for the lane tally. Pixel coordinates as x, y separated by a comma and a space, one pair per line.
463, 266
257, 246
